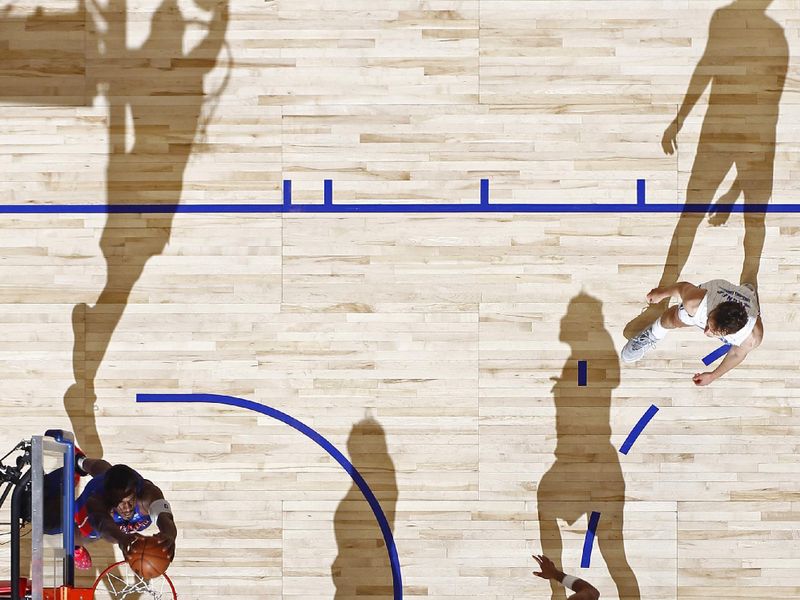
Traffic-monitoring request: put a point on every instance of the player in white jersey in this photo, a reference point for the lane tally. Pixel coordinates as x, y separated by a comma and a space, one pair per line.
721, 309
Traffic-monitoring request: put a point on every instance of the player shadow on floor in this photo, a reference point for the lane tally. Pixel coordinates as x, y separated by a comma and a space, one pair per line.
156, 109
54, 74
586, 475
362, 568
744, 63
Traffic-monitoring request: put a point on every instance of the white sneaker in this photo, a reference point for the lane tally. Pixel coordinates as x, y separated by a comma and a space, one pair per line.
638, 346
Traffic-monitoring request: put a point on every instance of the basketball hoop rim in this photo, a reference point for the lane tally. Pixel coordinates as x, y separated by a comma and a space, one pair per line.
122, 562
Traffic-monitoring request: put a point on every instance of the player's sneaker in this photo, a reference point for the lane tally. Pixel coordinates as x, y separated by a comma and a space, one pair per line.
638, 346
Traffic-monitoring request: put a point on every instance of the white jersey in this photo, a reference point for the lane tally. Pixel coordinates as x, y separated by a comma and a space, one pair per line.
717, 292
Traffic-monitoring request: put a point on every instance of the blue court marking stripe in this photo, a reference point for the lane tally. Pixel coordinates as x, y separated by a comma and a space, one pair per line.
588, 541
287, 207
329, 207
287, 192
582, 373
641, 188
637, 430
388, 538
721, 351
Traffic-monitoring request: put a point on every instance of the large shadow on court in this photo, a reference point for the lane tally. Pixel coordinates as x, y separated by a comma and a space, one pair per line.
586, 475
744, 63
157, 104
54, 72
362, 569
156, 99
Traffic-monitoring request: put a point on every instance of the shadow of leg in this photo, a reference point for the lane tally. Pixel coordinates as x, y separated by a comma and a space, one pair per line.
720, 212
79, 399
754, 234
679, 248
612, 547
550, 537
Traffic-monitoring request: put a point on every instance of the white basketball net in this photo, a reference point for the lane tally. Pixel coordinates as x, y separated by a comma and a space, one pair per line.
122, 583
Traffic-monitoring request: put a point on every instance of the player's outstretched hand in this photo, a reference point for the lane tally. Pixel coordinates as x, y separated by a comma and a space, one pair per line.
167, 542
702, 379
548, 569
669, 141
127, 544
655, 295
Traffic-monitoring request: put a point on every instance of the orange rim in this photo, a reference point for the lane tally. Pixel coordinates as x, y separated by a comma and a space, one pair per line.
119, 564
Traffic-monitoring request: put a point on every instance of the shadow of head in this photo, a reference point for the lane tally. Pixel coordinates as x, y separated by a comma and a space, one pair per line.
367, 447
583, 329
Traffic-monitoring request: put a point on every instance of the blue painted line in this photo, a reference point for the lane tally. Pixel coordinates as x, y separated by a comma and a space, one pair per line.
641, 187
583, 375
484, 192
588, 541
328, 183
637, 430
721, 351
388, 538
287, 207
287, 193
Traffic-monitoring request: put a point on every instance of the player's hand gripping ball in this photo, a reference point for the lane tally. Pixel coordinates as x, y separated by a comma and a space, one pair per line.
148, 558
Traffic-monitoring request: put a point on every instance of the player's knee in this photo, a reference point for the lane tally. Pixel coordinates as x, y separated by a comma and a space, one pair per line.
670, 319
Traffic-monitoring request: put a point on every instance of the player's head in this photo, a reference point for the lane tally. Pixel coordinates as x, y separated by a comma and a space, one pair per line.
727, 318
121, 488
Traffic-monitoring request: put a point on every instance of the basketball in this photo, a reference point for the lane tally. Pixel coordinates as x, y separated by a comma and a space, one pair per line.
148, 558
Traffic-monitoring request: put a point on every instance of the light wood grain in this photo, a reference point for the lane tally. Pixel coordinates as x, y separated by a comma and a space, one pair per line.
421, 346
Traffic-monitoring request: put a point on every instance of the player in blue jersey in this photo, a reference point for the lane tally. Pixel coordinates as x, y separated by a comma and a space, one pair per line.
115, 505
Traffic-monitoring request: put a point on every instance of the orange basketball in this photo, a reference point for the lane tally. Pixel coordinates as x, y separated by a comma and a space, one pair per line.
148, 558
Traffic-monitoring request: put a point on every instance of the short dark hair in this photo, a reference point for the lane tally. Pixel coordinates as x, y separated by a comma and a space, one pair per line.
729, 316
120, 482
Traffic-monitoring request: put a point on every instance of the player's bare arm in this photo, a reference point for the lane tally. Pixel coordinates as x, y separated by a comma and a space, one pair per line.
583, 589
689, 294
155, 505
734, 357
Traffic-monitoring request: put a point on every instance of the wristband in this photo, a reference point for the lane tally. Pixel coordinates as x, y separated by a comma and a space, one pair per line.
569, 581
157, 507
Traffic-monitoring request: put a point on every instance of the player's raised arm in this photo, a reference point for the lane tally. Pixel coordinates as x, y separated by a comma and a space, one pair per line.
583, 589
160, 512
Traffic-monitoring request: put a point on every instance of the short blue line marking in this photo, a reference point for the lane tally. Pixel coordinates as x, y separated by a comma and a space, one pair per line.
588, 541
484, 192
328, 183
287, 193
721, 351
637, 430
399, 208
582, 373
640, 192
388, 538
